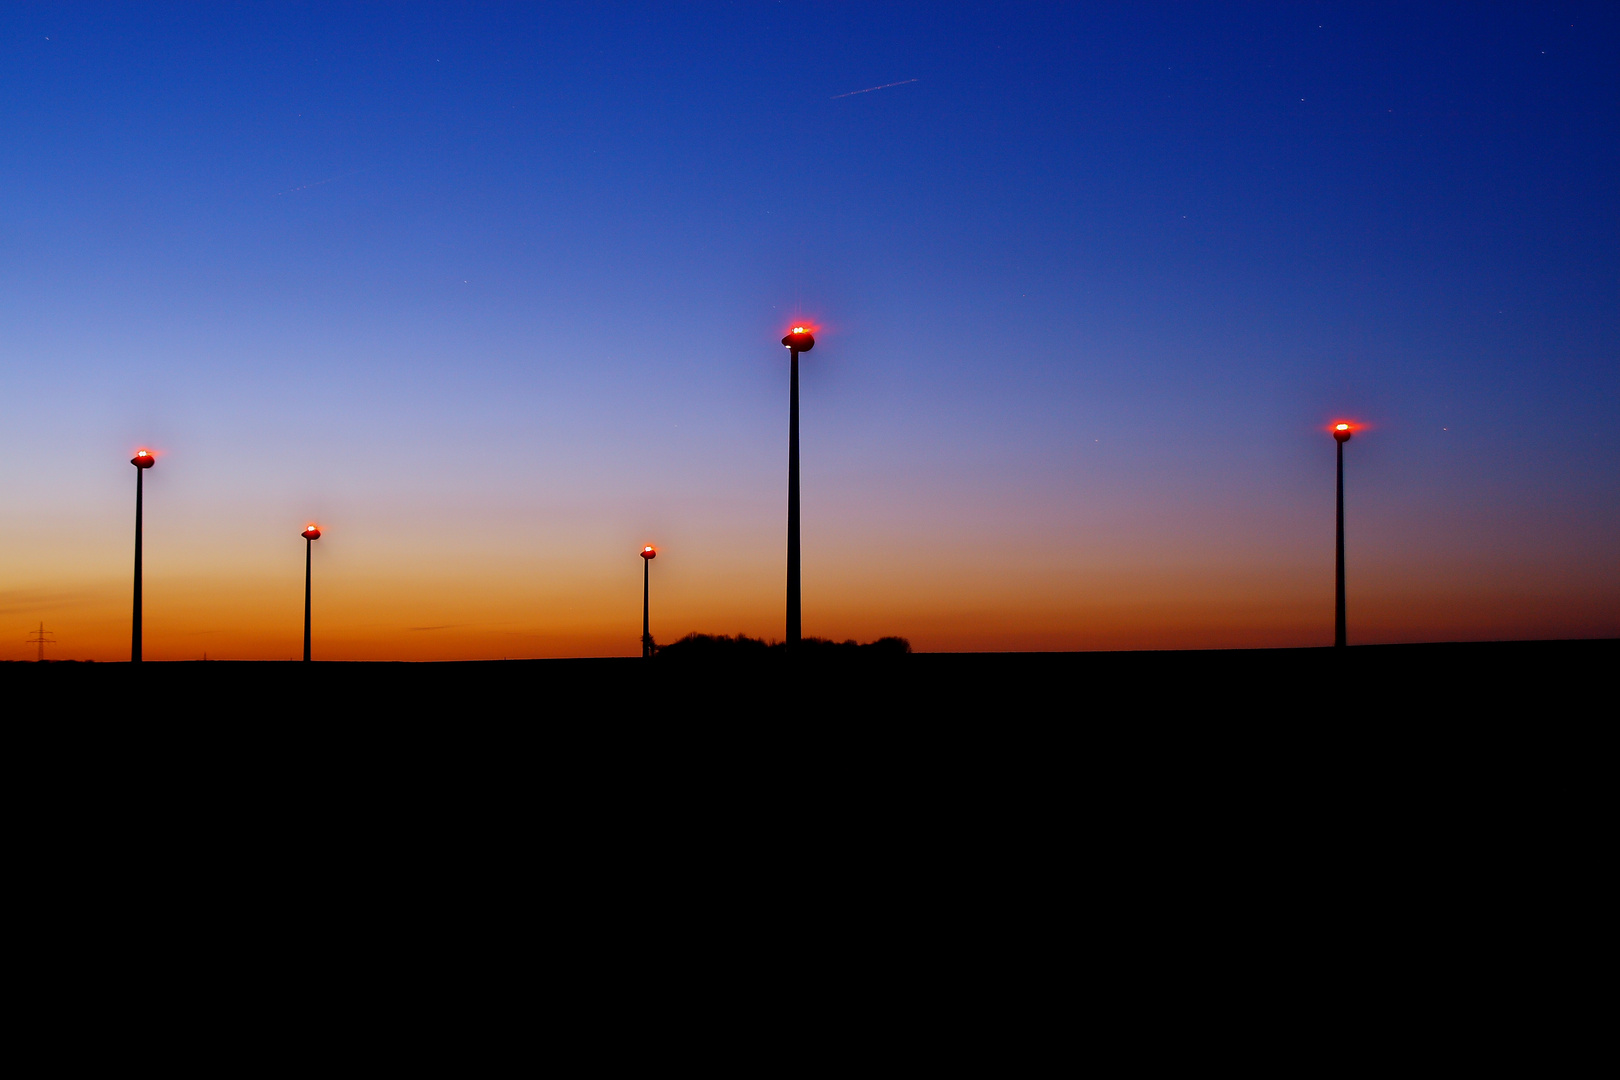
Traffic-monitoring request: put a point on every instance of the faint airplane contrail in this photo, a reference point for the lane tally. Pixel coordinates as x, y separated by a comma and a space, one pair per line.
318, 183
869, 89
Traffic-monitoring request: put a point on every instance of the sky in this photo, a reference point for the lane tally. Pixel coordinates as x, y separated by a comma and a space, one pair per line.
495, 293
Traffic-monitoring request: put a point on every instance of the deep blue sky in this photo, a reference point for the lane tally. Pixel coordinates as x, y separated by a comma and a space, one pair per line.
1090, 287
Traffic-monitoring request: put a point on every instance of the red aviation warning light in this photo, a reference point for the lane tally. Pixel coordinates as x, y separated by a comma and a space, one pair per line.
800, 339
1342, 431
311, 532
648, 552
143, 459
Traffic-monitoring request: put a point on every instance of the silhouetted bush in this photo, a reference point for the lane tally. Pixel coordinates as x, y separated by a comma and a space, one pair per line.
888, 645
723, 646
715, 645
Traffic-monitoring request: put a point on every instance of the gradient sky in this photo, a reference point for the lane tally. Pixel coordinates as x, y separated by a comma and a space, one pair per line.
494, 294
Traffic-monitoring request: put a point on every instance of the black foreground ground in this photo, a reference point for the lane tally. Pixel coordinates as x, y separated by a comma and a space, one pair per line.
1359, 685
1339, 816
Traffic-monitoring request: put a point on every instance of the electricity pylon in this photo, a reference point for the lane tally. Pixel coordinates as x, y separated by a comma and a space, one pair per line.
38, 638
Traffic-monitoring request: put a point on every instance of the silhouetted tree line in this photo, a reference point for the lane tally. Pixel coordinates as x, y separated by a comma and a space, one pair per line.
724, 646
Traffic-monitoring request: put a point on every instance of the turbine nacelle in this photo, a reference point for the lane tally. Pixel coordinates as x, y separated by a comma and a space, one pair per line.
800, 339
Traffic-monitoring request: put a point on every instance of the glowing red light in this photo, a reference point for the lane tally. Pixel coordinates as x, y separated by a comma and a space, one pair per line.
648, 552
801, 338
143, 459
311, 532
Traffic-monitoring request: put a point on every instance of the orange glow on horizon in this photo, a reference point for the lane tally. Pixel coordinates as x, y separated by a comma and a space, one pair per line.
386, 601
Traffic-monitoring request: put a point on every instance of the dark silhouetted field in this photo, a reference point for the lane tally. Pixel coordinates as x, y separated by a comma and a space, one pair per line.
833, 685
1281, 816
